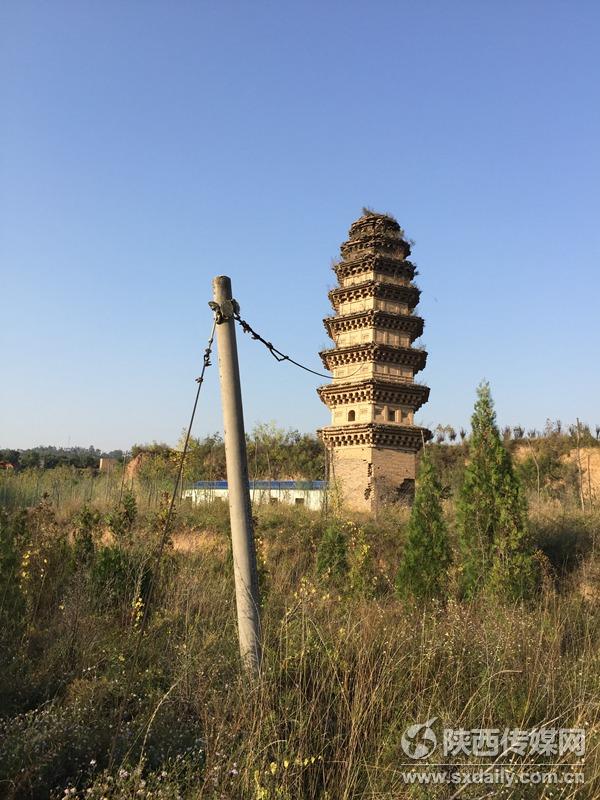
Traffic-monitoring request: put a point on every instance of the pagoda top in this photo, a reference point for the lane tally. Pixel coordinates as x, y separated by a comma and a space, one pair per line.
379, 231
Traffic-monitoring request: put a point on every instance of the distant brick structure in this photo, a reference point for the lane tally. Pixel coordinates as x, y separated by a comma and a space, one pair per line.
372, 442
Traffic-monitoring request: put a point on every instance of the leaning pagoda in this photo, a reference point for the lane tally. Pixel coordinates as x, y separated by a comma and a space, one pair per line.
372, 442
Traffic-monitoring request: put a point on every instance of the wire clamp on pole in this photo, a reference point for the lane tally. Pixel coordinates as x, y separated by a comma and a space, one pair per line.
207, 352
207, 363
226, 311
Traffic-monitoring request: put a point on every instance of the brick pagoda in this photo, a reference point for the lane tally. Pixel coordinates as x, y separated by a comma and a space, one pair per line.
372, 442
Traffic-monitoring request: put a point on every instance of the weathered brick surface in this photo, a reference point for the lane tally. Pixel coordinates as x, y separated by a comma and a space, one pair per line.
369, 477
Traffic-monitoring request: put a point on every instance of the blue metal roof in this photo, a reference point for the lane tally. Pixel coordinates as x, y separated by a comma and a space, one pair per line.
281, 485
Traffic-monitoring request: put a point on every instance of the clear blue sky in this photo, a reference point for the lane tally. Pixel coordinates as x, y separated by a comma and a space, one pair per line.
148, 146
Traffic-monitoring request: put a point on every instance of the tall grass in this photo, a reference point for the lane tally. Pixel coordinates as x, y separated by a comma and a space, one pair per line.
348, 666
68, 488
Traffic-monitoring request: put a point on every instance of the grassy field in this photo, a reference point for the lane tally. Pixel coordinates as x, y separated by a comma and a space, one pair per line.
90, 709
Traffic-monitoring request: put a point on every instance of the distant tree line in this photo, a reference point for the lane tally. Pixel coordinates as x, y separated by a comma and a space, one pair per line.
273, 454
48, 457
276, 453
576, 432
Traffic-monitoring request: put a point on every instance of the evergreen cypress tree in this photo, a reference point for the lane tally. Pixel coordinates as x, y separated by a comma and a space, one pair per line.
423, 571
495, 545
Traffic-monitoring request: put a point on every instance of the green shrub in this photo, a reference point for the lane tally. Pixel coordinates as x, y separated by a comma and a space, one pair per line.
119, 577
121, 519
332, 552
363, 579
86, 532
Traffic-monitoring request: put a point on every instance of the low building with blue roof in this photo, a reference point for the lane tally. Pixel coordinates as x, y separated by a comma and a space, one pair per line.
310, 494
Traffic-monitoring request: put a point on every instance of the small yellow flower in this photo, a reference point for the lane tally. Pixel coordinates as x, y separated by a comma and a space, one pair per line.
273, 767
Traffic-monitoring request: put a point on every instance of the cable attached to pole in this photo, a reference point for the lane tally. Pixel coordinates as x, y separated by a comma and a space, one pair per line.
277, 354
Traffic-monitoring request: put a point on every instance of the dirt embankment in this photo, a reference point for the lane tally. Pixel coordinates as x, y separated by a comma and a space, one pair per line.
134, 466
588, 458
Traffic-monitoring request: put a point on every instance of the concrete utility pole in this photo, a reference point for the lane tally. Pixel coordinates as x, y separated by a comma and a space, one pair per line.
242, 539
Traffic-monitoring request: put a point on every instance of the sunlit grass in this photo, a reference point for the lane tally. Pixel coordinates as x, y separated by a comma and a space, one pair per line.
347, 665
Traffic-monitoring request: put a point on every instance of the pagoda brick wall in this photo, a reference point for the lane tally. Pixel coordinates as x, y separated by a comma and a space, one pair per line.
368, 478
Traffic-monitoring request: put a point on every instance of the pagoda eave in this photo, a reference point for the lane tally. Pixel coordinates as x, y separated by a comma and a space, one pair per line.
408, 323
375, 244
386, 265
373, 434
376, 289
370, 352
375, 390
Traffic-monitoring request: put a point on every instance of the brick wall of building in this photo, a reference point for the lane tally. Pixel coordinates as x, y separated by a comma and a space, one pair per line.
367, 478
